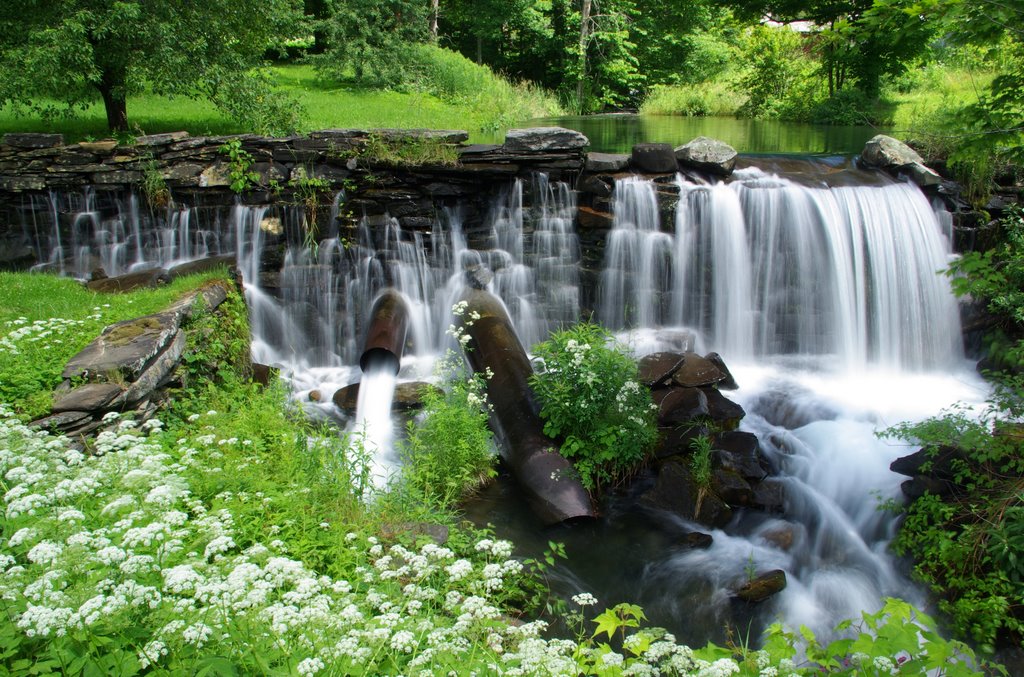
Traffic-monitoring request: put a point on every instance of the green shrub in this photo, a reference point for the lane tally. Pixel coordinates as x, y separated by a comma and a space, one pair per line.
448, 454
778, 81
996, 277
967, 545
592, 402
709, 98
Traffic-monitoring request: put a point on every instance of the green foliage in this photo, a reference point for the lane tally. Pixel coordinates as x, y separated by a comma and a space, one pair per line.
46, 320
373, 39
448, 454
700, 460
154, 186
219, 341
591, 401
776, 80
240, 162
716, 98
308, 191
966, 545
996, 277
56, 57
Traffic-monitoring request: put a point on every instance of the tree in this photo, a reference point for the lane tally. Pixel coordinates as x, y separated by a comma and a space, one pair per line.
57, 55
370, 39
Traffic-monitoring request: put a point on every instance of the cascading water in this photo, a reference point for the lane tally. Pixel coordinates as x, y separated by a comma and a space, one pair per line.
818, 288
765, 265
822, 294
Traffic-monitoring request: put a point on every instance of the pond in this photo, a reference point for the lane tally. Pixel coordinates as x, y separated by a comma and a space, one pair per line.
616, 133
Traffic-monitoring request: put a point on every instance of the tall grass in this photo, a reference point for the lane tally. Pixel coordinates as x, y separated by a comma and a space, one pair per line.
711, 98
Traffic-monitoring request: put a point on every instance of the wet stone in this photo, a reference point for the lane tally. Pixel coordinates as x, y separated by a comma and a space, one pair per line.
762, 586
656, 158
723, 410
657, 368
696, 371
677, 406
677, 492
728, 383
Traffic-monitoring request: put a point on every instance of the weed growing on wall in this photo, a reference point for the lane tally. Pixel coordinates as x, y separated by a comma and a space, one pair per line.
592, 402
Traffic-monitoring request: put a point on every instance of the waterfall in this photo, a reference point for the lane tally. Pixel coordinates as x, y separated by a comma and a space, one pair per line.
765, 265
818, 288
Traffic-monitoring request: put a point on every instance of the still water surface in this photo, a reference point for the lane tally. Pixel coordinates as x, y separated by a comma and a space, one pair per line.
616, 133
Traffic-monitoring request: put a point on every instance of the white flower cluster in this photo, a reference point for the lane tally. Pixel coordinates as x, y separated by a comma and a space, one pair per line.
119, 540
26, 333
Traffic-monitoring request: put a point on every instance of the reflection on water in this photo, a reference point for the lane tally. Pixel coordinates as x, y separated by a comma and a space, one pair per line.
616, 133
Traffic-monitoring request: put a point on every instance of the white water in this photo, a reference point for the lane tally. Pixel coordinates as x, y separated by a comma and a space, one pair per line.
823, 300
373, 429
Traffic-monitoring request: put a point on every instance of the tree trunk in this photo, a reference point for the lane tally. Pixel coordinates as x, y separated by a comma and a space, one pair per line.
479, 50
584, 43
112, 89
434, 10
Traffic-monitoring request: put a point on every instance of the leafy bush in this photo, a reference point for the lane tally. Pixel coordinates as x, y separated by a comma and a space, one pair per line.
448, 454
452, 77
778, 76
710, 98
996, 277
967, 545
591, 400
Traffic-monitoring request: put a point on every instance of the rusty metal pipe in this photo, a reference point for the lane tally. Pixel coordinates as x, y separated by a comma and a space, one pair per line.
551, 483
387, 331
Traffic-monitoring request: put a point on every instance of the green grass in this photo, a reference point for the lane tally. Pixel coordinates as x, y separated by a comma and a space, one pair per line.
46, 320
325, 104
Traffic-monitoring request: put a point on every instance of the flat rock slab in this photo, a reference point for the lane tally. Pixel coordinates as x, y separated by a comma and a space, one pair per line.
657, 368
606, 162
155, 374
125, 348
696, 371
89, 397
63, 421
543, 139
32, 140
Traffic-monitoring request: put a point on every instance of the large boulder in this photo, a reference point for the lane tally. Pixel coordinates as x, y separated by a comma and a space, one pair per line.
897, 157
544, 139
677, 406
707, 155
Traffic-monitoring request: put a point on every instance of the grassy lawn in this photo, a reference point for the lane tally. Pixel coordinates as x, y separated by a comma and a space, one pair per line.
324, 104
